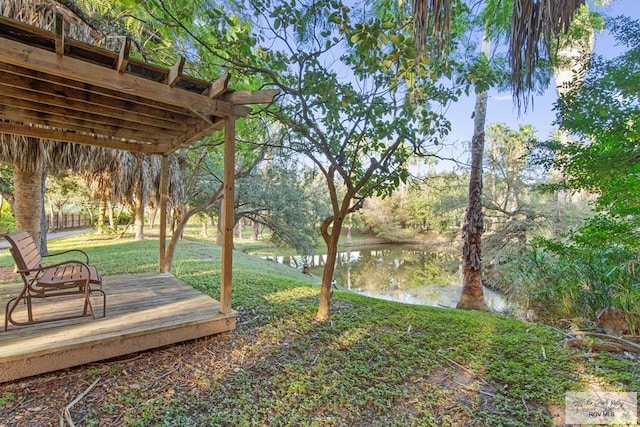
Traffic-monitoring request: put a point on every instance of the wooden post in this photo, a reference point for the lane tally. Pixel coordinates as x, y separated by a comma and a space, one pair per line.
228, 213
164, 185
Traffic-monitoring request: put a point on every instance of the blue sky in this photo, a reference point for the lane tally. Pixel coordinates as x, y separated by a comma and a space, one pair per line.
501, 109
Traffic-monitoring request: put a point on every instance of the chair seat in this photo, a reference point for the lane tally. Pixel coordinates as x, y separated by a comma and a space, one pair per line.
69, 275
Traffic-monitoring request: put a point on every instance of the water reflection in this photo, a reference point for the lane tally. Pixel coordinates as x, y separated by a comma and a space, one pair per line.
409, 274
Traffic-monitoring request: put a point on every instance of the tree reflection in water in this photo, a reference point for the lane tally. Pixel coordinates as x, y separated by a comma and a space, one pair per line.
405, 273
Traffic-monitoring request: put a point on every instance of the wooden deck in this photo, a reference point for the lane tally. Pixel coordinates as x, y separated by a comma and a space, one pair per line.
144, 311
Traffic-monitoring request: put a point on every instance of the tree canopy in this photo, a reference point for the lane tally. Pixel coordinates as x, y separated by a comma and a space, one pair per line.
603, 157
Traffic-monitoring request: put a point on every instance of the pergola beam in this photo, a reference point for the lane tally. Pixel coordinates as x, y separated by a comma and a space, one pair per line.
81, 138
205, 128
20, 116
22, 55
251, 96
73, 114
59, 34
46, 87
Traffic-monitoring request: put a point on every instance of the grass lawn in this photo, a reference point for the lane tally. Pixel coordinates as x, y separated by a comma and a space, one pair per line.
375, 363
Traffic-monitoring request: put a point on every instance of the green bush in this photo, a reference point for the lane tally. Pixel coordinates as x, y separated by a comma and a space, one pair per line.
7, 221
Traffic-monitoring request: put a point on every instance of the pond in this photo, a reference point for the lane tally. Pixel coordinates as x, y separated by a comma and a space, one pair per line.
404, 273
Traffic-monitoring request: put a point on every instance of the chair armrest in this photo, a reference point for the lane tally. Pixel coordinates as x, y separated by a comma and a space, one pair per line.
49, 266
86, 255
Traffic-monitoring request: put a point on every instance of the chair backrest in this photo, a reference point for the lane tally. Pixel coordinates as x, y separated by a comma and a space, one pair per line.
24, 250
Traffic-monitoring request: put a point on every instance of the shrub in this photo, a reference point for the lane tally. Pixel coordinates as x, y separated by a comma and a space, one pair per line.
560, 282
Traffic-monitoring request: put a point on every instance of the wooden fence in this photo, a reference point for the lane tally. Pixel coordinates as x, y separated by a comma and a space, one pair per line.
68, 221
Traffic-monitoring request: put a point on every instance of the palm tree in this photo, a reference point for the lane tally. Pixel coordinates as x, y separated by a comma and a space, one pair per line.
27, 158
472, 297
106, 181
534, 24
142, 182
30, 159
132, 179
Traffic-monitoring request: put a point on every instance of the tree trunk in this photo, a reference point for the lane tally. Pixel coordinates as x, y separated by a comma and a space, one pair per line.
349, 266
152, 216
572, 57
220, 224
61, 224
177, 234
52, 219
239, 229
472, 297
139, 214
102, 206
28, 204
113, 224
44, 250
88, 205
331, 240
256, 230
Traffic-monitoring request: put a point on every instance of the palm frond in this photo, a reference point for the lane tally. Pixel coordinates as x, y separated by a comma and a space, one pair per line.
534, 26
432, 25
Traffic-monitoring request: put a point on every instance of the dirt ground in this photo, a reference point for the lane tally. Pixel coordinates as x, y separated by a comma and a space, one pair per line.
95, 394
48, 399
7, 274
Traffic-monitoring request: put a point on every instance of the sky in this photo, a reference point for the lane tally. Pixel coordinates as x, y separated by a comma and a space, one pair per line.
501, 109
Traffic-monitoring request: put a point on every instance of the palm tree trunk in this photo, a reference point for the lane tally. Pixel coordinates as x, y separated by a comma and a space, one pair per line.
113, 224
28, 207
153, 215
472, 297
43, 214
139, 214
572, 56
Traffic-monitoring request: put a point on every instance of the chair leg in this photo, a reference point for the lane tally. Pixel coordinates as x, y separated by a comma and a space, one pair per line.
29, 307
7, 313
87, 302
104, 300
9, 308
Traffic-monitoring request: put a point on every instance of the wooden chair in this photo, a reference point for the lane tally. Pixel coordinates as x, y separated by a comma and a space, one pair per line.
45, 281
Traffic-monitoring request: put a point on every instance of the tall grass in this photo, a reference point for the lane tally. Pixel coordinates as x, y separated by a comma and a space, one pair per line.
569, 283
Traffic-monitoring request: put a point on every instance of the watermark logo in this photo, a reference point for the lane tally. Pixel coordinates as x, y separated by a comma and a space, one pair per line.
601, 407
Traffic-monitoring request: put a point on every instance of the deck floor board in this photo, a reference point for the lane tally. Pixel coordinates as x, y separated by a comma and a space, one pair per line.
143, 311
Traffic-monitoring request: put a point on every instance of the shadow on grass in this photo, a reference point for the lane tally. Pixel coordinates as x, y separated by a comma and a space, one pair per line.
382, 363
375, 363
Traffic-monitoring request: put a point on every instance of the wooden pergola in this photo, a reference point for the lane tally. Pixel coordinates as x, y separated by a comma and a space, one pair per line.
56, 88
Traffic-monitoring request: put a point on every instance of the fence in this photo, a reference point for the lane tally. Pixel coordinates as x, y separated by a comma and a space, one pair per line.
67, 221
